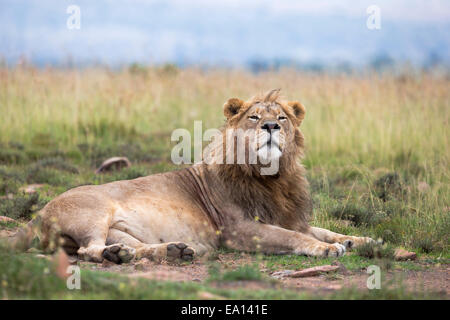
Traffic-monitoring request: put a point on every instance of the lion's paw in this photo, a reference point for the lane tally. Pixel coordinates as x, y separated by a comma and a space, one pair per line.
353, 242
119, 253
334, 250
326, 250
180, 250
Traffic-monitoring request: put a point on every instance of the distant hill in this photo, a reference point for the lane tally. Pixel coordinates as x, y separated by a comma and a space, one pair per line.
195, 32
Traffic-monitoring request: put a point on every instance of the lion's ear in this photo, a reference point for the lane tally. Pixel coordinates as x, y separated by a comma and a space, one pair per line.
298, 109
232, 107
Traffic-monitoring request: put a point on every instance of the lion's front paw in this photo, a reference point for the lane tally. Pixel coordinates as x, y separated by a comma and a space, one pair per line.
352, 242
180, 250
335, 250
327, 250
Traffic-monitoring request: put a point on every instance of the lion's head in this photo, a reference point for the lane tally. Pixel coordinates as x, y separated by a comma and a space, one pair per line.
260, 132
265, 128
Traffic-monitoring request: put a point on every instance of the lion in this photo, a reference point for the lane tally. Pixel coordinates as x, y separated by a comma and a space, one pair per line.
195, 210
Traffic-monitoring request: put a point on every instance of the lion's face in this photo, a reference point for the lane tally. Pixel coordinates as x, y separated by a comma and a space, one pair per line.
269, 125
269, 129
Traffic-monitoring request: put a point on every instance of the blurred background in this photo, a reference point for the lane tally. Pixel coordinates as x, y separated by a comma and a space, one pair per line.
312, 35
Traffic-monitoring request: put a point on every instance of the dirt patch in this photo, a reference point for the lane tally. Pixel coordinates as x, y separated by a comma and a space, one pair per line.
152, 270
435, 279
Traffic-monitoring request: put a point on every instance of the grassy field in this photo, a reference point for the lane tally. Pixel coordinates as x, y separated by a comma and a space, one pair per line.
376, 152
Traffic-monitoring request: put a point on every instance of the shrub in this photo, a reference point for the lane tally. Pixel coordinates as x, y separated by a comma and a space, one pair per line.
8, 156
244, 272
56, 163
21, 207
357, 214
373, 250
388, 186
424, 244
8, 186
128, 174
36, 174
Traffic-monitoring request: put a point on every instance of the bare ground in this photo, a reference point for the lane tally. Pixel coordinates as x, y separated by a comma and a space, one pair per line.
433, 279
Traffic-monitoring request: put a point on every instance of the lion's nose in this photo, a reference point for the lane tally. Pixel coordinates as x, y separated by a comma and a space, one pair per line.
270, 125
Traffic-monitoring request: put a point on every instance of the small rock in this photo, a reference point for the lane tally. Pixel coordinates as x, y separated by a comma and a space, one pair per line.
403, 255
282, 274
314, 271
31, 188
422, 186
114, 163
196, 280
309, 272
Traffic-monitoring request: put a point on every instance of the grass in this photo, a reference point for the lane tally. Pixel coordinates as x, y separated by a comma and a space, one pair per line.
371, 251
20, 207
241, 273
9, 224
351, 262
377, 152
26, 277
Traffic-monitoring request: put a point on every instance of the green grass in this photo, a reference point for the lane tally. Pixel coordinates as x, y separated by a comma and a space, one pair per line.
27, 277
372, 251
244, 272
9, 224
20, 207
276, 262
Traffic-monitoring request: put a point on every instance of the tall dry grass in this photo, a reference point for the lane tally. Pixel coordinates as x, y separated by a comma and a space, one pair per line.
351, 119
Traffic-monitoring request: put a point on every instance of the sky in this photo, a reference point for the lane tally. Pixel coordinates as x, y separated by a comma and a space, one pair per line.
229, 33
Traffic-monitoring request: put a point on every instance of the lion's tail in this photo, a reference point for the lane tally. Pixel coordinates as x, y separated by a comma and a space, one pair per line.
23, 238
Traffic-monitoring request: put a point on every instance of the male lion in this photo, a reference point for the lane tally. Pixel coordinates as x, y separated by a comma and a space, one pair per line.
195, 210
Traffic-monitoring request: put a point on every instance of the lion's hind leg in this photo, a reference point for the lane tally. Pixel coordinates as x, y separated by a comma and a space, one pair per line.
156, 252
94, 247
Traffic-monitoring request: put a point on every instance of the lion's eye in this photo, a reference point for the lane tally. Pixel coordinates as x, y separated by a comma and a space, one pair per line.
254, 118
282, 118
